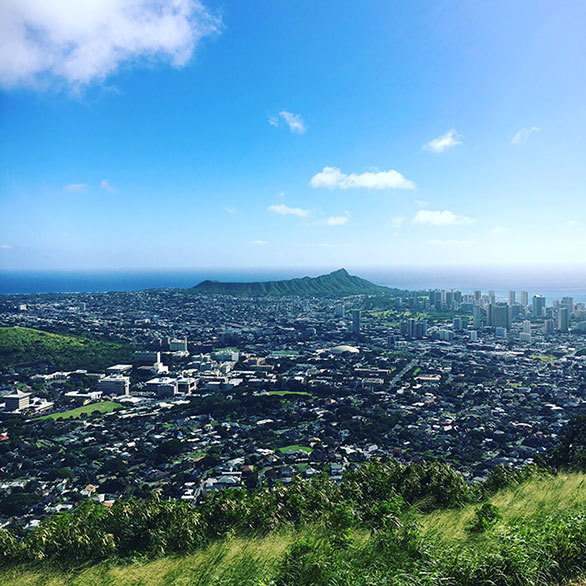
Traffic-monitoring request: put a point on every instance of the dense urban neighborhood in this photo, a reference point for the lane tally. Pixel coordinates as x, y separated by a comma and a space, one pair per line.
106, 395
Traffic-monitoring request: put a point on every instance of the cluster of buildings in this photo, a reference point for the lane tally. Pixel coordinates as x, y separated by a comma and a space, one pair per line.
225, 392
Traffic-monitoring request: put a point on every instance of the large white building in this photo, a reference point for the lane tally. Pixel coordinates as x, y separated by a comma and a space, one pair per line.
114, 385
163, 386
17, 401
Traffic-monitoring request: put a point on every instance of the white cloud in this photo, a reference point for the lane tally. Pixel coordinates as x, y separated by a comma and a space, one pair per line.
441, 143
436, 218
337, 220
284, 210
500, 230
258, 242
76, 187
281, 194
85, 41
333, 178
107, 186
293, 121
520, 136
420, 203
229, 210
5, 246
397, 222
573, 223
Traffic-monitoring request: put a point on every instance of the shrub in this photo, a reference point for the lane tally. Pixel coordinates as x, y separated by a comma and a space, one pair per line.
486, 516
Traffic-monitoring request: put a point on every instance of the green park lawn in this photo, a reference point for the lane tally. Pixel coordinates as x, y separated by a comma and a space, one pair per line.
285, 393
103, 407
295, 448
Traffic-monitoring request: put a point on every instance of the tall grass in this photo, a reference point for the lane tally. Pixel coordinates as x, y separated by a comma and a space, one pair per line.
539, 497
230, 562
541, 539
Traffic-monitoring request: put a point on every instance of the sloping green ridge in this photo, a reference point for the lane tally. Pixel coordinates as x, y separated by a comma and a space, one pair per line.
542, 528
336, 284
24, 346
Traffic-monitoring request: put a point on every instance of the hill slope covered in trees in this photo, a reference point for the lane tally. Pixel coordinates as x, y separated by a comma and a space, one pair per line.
24, 346
336, 284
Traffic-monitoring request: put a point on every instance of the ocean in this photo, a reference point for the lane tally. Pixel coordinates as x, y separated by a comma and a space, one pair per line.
553, 283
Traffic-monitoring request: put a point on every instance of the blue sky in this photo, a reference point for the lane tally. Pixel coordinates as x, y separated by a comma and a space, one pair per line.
265, 134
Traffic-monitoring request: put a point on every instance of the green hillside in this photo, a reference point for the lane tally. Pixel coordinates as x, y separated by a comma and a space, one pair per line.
336, 284
363, 532
24, 346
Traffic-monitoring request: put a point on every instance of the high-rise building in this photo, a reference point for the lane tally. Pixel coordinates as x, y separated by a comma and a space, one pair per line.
563, 319
473, 336
477, 316
524, 298
569, 303
500, 316
511, 298
340, 310
435, 298
477, 296
356, 322
457, 324
420, 329
538, 306
548, 326
526, 327
449, 299
500, 332
445, 335
407, 328
412, 329
491, 297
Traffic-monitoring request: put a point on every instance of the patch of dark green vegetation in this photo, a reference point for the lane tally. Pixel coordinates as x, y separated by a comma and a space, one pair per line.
22, 347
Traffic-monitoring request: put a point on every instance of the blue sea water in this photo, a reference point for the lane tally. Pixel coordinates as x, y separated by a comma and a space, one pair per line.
553, 283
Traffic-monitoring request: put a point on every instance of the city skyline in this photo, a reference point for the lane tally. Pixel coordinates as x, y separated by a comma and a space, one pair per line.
333, 135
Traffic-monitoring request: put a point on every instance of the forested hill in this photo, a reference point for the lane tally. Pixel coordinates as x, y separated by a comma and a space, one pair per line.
336, 284
24, 346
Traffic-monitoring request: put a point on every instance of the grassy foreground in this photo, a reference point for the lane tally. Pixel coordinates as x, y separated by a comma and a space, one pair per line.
444, 551
539, 497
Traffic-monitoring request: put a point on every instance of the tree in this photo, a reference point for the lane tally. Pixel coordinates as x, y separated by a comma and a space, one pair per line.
571, 449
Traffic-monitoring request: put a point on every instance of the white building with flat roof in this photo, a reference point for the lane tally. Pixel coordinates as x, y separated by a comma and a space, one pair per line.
115, 384
17, 401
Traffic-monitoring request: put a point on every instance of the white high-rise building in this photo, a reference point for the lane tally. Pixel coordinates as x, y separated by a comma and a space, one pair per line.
538, 305
356, 322
563, 319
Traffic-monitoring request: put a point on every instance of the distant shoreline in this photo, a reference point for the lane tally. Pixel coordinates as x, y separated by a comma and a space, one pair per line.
553, 286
